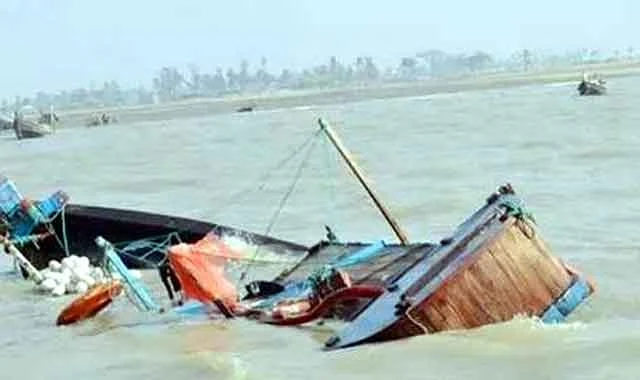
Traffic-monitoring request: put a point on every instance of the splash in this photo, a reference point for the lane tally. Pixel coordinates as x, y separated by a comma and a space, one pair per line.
255, 253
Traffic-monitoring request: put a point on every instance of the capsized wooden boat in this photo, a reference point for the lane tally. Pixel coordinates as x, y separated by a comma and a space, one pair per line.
495, 266
141, 237
52, 228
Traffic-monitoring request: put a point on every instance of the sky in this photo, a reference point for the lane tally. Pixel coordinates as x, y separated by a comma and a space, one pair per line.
52, 45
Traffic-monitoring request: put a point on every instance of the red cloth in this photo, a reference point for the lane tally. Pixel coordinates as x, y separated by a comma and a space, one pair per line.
200, 270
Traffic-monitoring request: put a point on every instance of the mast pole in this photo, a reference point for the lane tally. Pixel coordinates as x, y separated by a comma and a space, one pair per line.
335, 140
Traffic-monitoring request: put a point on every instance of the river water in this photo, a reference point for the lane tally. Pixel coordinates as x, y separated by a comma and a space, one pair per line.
432, 159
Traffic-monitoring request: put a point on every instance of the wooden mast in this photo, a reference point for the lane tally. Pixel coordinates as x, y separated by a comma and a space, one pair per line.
326, 128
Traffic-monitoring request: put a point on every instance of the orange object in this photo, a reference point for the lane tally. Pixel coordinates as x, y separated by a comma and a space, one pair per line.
90, 303
200, 270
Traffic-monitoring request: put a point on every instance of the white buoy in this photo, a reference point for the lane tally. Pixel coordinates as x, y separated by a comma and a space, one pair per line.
59, 290
55, 266
83, 262
67, 262
73, 274
48, 285
81, 287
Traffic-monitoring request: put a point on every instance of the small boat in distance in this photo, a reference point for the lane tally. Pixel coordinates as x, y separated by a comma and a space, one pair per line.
27, 124
592, 84
246, 109
102, 119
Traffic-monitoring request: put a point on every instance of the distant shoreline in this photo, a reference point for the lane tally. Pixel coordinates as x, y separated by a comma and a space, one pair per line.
198, 107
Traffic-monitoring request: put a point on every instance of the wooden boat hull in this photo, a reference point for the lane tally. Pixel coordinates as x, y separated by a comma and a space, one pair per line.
26, 129
495, 267
82, 224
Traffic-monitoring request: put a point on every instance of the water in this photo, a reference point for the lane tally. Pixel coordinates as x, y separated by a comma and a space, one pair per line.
432, 159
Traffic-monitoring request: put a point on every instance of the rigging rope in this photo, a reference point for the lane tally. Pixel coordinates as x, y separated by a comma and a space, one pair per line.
262, 181
332, 181
281, 205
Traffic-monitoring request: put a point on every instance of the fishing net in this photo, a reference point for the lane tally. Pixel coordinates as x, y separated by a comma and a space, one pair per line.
200, 268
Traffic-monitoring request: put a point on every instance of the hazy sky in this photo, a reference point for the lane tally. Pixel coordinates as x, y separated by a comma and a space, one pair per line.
57, 44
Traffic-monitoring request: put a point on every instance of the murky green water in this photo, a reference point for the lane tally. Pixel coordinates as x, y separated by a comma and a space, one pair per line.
433, 159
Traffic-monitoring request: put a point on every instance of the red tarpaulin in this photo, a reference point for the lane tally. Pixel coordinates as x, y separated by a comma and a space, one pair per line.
200, 269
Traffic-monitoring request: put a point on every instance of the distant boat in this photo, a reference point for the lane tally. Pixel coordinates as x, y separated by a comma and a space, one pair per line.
27, 124
103, 119
245, 109
592, 85
27, 129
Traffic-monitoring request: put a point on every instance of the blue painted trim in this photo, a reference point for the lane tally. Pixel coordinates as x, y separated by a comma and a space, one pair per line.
553, 315
23, 222
10, 197
191, 308
116, 265
361, 255
575, 294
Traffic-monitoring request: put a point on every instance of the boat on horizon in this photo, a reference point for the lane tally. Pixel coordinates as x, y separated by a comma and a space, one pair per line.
29, 123
592, 84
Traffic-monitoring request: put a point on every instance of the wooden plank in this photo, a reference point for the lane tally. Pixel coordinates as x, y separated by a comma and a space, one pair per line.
537, 293
486, 301
554, 276
509, 300
462, 300
556, 271
520, 295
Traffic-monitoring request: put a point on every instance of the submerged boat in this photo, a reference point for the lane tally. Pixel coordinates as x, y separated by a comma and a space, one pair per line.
592, 85
52, 228
494, 267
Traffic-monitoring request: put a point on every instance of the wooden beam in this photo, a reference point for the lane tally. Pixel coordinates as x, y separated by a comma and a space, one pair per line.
335, 140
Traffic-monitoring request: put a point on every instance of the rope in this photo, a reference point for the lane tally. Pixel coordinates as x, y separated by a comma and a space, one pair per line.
262, 181
332, 180
518, 210
122, 248
64, 230
415, 321
64, 244
283, 200
321, 275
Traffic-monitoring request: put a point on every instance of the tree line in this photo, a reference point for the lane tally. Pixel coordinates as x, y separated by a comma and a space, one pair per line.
171, 83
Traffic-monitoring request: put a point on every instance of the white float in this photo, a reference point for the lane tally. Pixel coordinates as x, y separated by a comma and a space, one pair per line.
73, 275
